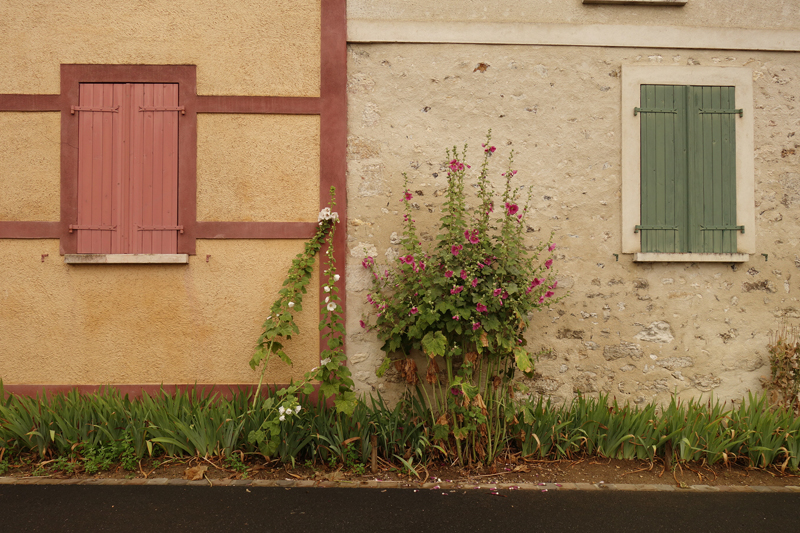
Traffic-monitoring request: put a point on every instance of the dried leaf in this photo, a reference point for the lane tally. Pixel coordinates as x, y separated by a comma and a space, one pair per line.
496, 382
432, 374
195, 473
484, 339
471, 357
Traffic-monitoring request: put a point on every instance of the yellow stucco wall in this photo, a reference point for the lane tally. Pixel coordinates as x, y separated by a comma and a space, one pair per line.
240, 47
29, 166
257, 167
146, 324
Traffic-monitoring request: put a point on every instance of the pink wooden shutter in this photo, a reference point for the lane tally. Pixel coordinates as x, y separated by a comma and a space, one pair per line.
100, 141
154, 168
128, 168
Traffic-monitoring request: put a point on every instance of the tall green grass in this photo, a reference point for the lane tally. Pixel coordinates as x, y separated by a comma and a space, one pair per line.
199, 424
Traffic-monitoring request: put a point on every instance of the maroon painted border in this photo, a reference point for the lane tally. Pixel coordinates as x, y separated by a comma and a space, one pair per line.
255, 230
333, 134
30, 102
186, 78
225, 390
271, 105
29, 230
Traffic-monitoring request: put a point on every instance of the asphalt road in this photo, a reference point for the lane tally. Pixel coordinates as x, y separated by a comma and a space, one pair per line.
53, 508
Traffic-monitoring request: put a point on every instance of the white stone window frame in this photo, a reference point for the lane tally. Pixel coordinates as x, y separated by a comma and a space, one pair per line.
642, 2
739, 77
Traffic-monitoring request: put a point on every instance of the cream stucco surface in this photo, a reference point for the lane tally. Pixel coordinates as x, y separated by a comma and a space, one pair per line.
257, 167
146, 324
638, 331
242, 47
29, 166
783, 14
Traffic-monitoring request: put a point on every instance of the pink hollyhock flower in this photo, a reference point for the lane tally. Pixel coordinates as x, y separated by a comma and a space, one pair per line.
541, 299
548, 263
481, 308
474, 238
497, 292
406, 196
456, 290
551, 247
455, 317
463, 274
361, 322
369, 299
409, 259
414, 311
549, 294
456, 248
511, 209
475, 325
554, 285
367, 262
474, 282
504, 296
448, 274
536, 282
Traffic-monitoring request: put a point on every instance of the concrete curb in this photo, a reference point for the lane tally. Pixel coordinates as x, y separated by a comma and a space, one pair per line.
378, 484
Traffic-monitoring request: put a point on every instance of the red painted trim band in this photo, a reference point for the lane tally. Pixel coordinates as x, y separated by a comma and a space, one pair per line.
273, 105
225, 390
255, 230
30, 102
29, 230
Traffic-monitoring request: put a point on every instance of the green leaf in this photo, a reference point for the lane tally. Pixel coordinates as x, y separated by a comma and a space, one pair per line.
435, 343
523, 361
387, 362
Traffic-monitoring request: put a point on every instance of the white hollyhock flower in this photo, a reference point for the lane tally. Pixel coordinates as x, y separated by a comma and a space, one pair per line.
336, 277
327, 299
281, 418
332, 306
291, 304
297, 409
326, 288
325, 361
281, 409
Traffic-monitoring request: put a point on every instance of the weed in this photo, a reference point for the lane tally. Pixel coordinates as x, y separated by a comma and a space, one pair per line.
234, 462
4, 467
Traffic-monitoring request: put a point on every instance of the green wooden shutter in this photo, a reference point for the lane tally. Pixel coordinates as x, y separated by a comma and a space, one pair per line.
688, 170
712, 178
663, 168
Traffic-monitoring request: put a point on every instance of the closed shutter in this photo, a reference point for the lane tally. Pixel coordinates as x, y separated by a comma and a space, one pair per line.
712, 186
688, 170
128, 168
663, 162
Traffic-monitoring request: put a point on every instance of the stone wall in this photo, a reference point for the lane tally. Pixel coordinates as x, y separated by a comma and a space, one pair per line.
639, 331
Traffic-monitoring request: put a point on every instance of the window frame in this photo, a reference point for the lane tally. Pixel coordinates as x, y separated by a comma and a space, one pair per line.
741, 78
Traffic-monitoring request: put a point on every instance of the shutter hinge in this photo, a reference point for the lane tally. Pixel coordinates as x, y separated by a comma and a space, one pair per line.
637, 110
74, 108
640, 227
176, 108
723, 228
96, 228
159, 228
739, 112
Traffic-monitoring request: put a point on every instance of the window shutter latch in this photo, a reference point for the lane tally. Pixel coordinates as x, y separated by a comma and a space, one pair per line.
74, 108
637, 110
739, 112
159, 228
87, 226
638, 227
723, 228
174, 108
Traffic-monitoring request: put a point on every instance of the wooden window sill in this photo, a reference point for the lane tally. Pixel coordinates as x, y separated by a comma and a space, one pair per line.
126, 259
689, 258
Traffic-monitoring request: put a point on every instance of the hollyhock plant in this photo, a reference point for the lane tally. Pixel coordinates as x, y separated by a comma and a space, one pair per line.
476, 325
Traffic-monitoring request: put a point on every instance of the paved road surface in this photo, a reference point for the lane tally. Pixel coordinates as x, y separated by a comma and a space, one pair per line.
53, 508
